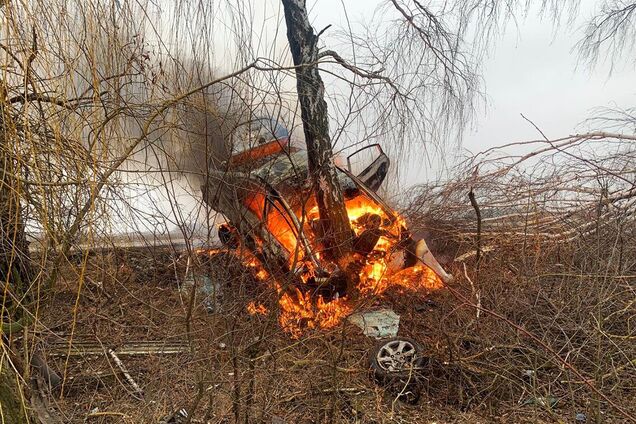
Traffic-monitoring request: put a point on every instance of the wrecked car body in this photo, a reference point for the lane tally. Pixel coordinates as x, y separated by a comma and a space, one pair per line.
265, 194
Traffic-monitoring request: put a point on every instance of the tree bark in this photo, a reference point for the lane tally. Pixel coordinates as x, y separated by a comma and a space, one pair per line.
12, 409
333, 213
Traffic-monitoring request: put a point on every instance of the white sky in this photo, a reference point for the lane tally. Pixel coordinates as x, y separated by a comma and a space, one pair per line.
532, 70
535, 73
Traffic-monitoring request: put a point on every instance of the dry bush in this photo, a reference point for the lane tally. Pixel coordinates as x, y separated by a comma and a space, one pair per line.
546, 308
85, 88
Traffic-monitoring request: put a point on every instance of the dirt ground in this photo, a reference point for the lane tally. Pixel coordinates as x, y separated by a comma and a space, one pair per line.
227, 366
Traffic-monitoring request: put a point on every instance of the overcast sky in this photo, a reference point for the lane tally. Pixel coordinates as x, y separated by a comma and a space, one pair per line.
532, 70
535, 73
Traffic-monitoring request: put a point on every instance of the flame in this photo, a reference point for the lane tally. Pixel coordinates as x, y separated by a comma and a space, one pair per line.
248, 259
254, 308
301, 310
256, 267
372, 277
206, 251
298, 312
418, 278
282, 231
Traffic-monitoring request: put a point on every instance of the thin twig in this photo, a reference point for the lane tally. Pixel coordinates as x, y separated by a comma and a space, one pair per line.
548, 349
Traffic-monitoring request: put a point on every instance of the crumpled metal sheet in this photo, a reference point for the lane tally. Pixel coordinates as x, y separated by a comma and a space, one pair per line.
211, 290
379, 324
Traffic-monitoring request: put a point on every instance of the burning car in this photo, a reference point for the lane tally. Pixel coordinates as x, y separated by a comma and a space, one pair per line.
272, 223
265, 195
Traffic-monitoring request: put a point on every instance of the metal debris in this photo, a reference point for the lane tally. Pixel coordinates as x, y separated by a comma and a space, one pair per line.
529, 374
427, 305
88, 348
211, 290
178, 417
543, 401
379, 324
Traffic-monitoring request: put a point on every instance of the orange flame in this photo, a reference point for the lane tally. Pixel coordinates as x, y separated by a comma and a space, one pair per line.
298, 311
301, 310
254, 308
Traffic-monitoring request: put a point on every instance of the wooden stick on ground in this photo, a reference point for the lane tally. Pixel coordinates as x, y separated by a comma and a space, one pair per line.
120, 364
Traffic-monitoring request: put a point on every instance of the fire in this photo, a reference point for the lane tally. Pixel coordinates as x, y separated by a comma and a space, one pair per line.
298, 311
372, 277
205, 251
254, 308
282, 231
256, 267
301, 308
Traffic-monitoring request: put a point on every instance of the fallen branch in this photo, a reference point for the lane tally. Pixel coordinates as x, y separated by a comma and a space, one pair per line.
132, 349
106, 414
131, 381
476, 293
472, 253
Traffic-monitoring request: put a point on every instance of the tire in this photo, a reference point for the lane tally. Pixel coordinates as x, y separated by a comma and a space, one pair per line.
228, 235
396, 364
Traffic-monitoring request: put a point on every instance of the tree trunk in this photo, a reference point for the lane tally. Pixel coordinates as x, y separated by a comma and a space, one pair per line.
12, 409
333, 214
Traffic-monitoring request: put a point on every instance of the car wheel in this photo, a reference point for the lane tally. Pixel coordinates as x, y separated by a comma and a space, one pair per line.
228, 235
395, 364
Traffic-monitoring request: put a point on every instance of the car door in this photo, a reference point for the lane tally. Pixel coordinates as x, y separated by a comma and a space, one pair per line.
370, 164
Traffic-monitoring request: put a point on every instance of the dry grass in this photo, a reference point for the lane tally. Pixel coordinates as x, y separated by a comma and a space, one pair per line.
546, 315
